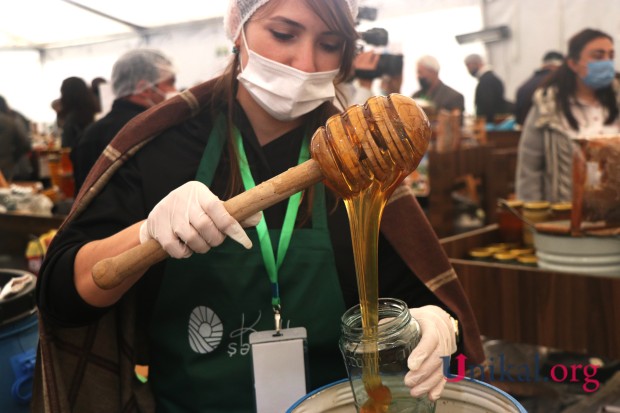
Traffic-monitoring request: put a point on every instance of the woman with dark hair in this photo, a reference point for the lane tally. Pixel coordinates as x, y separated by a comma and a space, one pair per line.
579, 100
78, 107
190, 318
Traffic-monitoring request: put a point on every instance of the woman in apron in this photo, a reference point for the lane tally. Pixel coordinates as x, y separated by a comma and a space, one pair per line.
164, 176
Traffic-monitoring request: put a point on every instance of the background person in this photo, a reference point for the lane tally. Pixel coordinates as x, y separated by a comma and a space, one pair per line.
578, 100
551, 61
433, 89
140, 79
15, 144
76, 109
489, 96
94, 86
167, 171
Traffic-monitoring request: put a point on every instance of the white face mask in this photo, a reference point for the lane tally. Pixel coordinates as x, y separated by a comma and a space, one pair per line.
283, 91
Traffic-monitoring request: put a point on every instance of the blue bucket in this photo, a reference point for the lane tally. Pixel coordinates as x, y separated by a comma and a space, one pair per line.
465, 396
18, 342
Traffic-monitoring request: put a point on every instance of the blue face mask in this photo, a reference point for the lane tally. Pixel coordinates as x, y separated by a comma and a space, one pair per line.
600, 74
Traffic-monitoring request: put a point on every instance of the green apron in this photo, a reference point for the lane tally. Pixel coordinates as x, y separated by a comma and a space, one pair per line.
208, 305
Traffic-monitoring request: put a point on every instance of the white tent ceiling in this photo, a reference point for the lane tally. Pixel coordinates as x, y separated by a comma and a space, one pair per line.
44, 24
43, 42
49, 24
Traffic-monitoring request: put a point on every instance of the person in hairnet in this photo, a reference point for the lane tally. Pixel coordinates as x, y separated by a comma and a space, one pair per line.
189, 318
141, 78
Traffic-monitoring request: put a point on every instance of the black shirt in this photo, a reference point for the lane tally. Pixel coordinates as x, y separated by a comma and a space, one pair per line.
525, 92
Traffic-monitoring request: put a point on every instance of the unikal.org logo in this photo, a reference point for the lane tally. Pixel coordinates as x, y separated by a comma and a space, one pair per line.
500, 370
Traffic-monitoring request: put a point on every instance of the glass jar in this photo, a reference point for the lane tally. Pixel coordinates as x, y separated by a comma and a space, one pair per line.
561, 211
66, 181
398, 334
481, 254
528, 259
534, 212
504, 257
509, 225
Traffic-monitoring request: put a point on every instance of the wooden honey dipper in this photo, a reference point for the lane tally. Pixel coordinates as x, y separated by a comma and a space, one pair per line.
383, 140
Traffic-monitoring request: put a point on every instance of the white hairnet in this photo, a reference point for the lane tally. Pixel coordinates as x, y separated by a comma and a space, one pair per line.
239, 11
429, 62
136, 65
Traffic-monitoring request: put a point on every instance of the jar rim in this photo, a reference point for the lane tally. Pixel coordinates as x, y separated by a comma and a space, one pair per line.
562, 206
394, 310
537, 205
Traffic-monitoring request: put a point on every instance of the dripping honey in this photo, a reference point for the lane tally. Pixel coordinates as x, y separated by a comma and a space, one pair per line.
365, 211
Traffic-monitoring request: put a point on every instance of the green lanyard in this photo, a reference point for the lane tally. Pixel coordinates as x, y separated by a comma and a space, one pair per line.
272, 264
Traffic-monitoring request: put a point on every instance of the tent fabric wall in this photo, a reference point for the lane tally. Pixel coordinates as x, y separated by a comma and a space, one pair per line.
31, 80
198, 52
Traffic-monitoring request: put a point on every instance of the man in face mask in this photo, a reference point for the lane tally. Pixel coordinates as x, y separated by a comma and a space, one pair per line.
141, 79
489, 97
432, 89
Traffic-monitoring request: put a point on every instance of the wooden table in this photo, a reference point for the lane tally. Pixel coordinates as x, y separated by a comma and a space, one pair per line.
571, 312
16, 230
444, 169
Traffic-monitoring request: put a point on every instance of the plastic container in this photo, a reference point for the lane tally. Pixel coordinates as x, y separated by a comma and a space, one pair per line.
398, 334
18, 343
465, 396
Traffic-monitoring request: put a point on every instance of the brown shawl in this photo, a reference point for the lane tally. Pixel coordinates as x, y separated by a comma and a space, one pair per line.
91, 369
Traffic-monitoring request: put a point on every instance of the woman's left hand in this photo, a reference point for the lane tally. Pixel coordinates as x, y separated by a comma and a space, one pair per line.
425, 361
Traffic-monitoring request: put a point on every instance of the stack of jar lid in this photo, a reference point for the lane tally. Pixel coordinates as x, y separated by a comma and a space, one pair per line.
506, 253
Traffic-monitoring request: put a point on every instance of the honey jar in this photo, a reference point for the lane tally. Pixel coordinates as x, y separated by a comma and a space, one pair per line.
481, 254
504, 257
528, 259
509, 225
561, 211
534, 212
397, 335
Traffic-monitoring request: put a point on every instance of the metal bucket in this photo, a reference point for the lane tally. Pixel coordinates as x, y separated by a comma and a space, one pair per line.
18, 343
465, 396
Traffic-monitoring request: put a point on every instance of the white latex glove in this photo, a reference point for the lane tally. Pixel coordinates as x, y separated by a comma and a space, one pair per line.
192, 219
425, 363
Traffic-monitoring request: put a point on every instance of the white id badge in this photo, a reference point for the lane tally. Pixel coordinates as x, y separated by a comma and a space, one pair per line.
279, 365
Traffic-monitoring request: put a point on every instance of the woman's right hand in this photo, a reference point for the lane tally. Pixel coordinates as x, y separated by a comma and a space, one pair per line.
192, 219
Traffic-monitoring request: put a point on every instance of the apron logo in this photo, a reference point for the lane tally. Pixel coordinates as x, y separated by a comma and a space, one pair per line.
205, 330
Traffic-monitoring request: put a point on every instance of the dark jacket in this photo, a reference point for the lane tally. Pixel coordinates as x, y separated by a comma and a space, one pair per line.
525, 92
14, 142
443, 97
489, 98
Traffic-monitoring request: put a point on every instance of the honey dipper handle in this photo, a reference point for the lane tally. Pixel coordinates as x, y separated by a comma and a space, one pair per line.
111, 272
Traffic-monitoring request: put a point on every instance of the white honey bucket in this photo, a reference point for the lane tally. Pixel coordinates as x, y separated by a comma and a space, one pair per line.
465, 396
